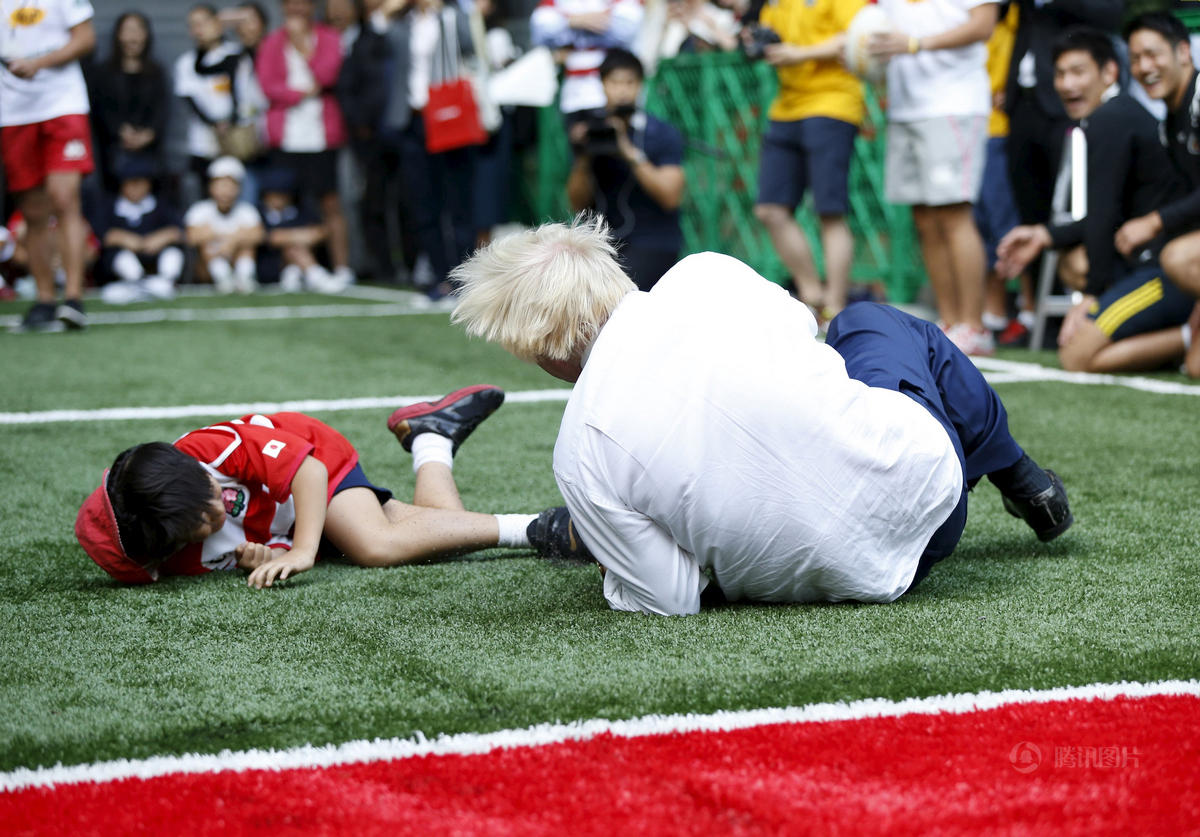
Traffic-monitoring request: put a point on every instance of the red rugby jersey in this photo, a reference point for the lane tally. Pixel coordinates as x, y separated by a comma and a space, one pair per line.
254, 460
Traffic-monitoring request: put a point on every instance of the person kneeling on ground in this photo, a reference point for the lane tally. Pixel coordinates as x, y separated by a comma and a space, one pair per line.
749, 459
1129, 313
259, 493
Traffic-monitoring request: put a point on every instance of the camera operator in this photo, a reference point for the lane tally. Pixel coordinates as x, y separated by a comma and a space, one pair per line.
809, 141
629, 169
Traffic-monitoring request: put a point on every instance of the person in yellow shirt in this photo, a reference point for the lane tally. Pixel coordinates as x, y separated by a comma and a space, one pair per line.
996, 209
808, 143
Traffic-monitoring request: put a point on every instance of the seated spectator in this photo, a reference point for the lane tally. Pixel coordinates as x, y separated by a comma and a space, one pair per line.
225, 231
1161, 57
128, 92
298, 67
580, 31
292, 234
629, 168
142, 256
1129, 314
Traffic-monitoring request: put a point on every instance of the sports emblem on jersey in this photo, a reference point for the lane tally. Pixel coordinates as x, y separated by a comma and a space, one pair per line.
234, 500
273, 448
27, 16
74, 150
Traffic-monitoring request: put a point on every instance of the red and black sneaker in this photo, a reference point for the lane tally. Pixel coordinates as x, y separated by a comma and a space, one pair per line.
454, 416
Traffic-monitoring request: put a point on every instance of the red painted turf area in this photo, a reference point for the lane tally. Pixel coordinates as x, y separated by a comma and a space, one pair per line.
1125, 765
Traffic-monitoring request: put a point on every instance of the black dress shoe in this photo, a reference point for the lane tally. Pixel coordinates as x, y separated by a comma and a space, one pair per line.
1047, 512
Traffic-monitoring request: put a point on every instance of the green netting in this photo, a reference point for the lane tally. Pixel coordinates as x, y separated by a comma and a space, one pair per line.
719, 102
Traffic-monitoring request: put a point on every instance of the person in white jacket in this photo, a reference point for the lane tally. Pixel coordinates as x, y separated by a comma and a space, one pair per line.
712, 446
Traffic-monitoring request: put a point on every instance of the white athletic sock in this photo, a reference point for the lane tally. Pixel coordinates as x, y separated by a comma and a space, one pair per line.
431, 447
1187, 336
512, 529
246, 268
1026, 318
126, 265
170, 264
222, 275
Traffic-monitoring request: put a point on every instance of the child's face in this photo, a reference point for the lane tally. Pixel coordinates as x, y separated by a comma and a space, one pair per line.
214, 514
135, 188
224, 190
276, 200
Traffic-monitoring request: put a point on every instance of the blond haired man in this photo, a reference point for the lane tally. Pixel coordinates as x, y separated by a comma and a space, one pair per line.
712, 445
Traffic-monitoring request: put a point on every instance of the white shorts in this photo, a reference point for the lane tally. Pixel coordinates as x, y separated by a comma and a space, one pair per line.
936, 162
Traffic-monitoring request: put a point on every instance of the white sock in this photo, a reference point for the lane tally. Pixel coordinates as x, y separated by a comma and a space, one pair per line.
127, 266
246, 269
1026, 318
512, 529
431, 447
1187, 336
170, 263
220, 271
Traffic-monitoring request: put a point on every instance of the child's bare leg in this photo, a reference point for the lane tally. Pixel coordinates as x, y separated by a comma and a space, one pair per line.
436, 488
372, 535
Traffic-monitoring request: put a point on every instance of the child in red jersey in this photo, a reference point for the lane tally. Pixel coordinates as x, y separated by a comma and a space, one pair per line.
259, 493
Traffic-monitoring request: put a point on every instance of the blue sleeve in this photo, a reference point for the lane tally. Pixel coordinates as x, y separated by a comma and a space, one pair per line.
664, 143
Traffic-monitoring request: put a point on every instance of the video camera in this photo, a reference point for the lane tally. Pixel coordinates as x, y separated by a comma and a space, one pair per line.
760, 38
601, 137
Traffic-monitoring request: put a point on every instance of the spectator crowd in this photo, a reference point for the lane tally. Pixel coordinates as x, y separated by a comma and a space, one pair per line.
319, 151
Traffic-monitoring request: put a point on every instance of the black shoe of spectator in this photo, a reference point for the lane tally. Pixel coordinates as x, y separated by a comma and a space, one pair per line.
70, 314
553, 535
1046, 512
454, 416
40, 318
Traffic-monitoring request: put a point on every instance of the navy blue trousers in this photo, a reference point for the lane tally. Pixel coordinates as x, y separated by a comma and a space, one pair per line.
884, 347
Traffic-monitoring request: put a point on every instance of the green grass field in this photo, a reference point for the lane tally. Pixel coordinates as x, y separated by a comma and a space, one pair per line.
90, 670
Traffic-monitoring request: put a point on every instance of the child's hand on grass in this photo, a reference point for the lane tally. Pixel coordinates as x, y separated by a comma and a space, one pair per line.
251, 556
280, 568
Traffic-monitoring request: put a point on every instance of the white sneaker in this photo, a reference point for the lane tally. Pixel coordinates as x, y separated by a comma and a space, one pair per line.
345, 275
244, 283
123, 292
291, 279
972, 342
223, 280
319, 280
158, 287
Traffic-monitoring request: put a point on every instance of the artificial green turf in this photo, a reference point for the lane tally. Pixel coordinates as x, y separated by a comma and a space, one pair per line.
91, 670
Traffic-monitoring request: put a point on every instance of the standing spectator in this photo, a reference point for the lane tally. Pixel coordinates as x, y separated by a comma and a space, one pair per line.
629, 168
996, 211
128, 92
298, 67
437, 187
580, 31
939, 101
809, 142
141, 233
493, 162
362, 91
249, 24
205, 79
46, 144
225, 230
1038, 121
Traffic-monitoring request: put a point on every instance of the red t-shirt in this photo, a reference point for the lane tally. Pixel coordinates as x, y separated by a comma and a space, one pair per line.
254, 460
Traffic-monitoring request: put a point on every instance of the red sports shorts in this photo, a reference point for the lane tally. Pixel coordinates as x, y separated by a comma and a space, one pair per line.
33, 151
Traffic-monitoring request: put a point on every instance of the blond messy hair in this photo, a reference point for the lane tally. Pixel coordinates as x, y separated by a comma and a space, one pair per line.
542, 293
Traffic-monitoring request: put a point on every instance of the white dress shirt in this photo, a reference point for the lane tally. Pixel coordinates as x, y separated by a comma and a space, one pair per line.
711, 436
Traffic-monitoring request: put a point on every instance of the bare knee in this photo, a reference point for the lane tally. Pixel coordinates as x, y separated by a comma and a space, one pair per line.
772, 215
1180, 260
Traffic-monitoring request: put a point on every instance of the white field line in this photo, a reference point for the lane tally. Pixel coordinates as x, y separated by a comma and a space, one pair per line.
230, 410
354, 752
996, 372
